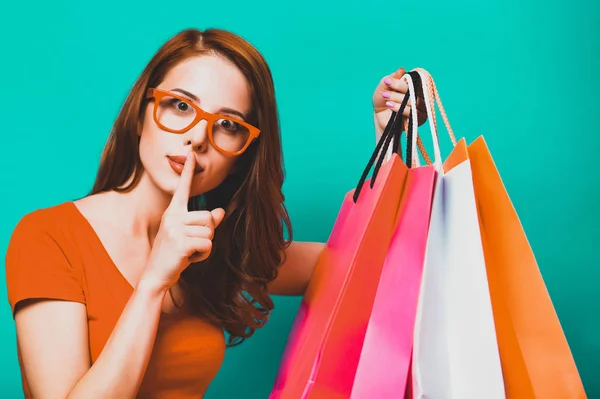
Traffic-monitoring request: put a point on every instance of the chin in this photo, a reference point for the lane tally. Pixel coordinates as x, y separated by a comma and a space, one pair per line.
169, 181
169, 188
202, 187
166, 182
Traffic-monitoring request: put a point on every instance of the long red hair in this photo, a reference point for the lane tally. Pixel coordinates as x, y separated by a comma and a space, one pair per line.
229, 288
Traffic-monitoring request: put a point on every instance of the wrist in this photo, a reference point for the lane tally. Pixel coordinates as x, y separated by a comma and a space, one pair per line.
378, 128
152, 285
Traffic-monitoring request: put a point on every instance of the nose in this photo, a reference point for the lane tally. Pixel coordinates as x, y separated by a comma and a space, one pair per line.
197, 137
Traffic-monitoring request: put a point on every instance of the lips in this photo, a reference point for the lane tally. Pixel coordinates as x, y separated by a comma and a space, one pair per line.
177, 162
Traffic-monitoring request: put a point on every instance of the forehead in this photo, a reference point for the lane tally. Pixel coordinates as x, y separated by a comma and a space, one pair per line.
214, 80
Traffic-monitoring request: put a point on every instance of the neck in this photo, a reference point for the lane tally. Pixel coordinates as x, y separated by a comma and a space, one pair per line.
140, 210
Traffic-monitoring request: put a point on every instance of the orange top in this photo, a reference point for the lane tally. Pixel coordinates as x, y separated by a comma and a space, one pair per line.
55, 253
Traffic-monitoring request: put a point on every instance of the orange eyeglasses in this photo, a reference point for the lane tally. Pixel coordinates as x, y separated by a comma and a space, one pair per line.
178, 114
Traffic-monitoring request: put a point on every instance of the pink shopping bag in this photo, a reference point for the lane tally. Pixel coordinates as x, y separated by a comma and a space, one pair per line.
385, 359
323, 348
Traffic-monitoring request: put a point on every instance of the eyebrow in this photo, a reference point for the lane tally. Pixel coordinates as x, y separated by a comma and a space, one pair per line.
221, 110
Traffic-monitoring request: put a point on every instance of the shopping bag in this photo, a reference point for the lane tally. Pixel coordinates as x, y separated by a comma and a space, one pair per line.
535, 356
322, 351
385, 358
455, 353
536, 360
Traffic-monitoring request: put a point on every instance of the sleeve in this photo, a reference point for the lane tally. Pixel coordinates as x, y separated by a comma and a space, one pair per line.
37, 267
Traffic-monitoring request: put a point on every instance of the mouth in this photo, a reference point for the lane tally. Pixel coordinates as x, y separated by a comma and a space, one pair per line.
177, 162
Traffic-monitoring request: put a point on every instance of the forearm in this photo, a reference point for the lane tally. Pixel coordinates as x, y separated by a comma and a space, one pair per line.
295, 273
120, 368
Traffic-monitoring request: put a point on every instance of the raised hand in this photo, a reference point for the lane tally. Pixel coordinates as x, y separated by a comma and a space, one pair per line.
184, 236
388, 96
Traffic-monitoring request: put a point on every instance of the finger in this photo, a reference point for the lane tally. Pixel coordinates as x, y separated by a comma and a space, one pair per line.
396, 107
197, 244
199, 218
396, 84
399, 73
217, 214
198, 232
395, 97
386, 80
200, 250
182, 192
198, 257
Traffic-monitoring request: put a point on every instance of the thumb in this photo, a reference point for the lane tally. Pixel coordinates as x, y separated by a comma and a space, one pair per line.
217, 214
399, 73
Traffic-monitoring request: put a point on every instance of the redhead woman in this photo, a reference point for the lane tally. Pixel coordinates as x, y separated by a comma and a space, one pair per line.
136, 289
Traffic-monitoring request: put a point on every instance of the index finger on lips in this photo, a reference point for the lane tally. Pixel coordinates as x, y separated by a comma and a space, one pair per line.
182, 192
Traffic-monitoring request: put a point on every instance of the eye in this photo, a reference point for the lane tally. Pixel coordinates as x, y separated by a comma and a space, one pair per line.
180, 105
228, 124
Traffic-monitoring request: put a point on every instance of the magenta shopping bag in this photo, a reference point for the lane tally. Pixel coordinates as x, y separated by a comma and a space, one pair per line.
324, 345
386, 354
383, 369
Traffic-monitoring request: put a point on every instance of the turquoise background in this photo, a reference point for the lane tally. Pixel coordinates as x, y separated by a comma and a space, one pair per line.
524, 74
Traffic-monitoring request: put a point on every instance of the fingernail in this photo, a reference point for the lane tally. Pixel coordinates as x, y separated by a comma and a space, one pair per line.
387, 81
385, 94
390, 104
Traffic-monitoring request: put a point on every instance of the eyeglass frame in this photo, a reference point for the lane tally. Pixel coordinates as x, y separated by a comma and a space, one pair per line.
157, 95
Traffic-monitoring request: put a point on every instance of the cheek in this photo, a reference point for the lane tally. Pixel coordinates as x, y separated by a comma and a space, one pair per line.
153, 146
225, 167
153, 140
148, 145
220, 169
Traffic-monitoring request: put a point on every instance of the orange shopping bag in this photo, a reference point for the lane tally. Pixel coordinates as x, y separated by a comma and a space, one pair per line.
536, 360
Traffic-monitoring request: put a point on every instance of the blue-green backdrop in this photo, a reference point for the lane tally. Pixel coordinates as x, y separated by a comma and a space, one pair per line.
522, 73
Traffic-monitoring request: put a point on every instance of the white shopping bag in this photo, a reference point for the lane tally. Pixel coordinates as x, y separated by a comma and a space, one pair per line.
455, 353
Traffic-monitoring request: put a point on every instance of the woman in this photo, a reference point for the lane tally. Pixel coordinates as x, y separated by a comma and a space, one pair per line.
130, 291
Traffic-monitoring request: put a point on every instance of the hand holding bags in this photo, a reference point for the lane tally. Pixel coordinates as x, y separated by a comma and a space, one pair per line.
484, 326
